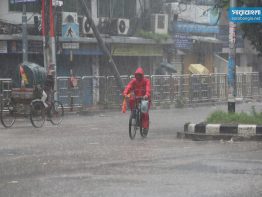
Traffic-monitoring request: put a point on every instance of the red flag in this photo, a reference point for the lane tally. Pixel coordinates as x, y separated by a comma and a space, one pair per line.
124, 104
23, 75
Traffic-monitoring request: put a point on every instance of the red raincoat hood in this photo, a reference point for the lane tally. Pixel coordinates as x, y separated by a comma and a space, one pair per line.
139, 71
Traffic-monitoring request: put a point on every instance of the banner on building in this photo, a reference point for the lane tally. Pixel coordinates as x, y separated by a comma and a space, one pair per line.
70, 45
182, 41
136, 50
81, 49
184, 27
200, 14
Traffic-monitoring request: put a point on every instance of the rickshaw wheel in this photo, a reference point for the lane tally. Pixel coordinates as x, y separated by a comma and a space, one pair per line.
8, 115
37, 114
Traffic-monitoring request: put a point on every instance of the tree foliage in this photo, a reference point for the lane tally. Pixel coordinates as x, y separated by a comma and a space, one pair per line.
252, 31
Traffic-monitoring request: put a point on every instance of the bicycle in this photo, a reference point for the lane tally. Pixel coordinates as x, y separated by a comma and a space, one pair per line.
8, 113
38, 113
135, 119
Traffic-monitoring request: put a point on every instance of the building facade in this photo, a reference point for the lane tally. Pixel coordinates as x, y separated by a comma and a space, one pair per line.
197, 33
117, 21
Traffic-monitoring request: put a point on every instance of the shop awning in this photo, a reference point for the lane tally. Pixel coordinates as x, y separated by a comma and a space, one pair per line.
137, 50
207, 39
198, 69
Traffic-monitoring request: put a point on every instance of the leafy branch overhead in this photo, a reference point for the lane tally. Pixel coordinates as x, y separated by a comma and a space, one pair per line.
252, 31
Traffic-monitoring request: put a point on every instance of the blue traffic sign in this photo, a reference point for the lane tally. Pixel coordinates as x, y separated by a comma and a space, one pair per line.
70, 30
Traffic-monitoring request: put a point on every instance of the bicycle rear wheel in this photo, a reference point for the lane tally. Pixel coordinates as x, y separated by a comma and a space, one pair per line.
132, 125
8, 115
37, 114
56, 113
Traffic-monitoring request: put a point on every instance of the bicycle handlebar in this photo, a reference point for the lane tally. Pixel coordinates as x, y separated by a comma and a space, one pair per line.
139, 97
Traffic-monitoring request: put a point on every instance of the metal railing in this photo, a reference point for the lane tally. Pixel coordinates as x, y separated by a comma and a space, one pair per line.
161, 88
218, 90
113, 94
189, 88
71, 97
93, 90
5, 89
165, 89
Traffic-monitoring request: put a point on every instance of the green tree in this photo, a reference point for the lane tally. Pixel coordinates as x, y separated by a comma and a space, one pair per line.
252, 31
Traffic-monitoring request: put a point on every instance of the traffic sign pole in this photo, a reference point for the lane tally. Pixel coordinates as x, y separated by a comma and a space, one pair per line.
232, 64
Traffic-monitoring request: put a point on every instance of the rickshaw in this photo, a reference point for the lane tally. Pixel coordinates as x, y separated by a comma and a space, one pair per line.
25, 99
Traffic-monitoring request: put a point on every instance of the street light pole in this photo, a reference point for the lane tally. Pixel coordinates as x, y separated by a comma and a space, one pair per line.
232, 63
24, 34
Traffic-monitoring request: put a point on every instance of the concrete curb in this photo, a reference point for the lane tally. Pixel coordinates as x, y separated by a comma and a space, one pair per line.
204, 131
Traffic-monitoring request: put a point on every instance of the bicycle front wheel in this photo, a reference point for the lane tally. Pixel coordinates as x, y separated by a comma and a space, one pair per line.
143, 131
132, 125
8, 115
37, 114
56, 113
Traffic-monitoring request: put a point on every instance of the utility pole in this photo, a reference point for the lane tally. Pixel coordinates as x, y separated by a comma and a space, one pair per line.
44, 32
48, 34
24, 34
232, 63
102, 45
52, 34
52, 43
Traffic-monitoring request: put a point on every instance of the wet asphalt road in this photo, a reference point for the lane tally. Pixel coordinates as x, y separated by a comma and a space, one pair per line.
93, 156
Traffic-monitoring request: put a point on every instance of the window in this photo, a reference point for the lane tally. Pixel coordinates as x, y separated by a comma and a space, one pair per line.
30, 6
130, 8
116, 8
80, 7
75, 6
103, 7
70, 6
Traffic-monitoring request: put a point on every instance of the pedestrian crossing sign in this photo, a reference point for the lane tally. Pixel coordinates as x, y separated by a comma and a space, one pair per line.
70, 30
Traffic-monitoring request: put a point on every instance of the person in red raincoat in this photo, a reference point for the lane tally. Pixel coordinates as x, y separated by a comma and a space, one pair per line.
140, 86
